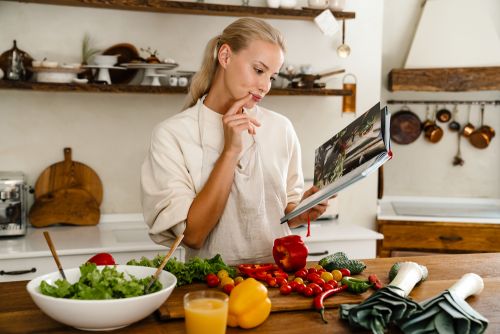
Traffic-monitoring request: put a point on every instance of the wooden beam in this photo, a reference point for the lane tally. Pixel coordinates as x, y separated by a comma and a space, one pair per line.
466, 79
196, 8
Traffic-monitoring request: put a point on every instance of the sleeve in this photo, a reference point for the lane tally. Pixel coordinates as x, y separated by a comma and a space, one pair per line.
295, 176
166, 187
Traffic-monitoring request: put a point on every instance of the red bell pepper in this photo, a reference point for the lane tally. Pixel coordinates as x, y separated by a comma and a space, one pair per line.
102, 259
290, 253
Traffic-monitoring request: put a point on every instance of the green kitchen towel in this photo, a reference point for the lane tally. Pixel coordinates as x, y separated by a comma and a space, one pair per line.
445, 313
383, 308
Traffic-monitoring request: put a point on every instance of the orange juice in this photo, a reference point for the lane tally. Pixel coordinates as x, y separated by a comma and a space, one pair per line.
206, 315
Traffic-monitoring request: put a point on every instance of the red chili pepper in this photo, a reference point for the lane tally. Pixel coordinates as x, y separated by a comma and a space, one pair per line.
290, 253
318, 300
373, 279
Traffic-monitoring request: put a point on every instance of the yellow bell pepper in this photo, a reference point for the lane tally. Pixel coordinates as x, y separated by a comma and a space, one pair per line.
249, 305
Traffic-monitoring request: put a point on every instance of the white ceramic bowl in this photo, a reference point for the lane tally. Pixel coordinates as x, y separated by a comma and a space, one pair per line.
101, 314
55, 77
105, 60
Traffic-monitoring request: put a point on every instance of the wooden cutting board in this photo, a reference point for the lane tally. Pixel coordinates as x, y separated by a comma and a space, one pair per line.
173, 307
72, 206
69, 174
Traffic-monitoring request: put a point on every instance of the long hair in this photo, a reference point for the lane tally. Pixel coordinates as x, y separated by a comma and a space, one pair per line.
237, 35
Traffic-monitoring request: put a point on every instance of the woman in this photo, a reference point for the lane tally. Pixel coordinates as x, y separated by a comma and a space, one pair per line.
224, 171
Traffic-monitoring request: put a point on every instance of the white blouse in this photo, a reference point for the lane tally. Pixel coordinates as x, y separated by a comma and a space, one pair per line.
269, 176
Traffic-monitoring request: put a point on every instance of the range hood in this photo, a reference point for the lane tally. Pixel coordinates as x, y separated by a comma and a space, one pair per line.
456, 48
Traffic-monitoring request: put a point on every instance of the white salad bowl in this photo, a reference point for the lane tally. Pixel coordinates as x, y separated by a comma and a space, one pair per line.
105, 314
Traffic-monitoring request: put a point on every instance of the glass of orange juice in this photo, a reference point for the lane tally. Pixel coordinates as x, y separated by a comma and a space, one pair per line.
205, 312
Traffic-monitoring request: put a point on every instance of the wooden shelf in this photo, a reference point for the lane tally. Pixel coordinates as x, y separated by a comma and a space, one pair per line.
97, 88
465, 79
196, 8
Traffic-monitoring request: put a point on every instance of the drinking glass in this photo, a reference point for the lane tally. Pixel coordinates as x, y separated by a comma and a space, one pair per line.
205, 312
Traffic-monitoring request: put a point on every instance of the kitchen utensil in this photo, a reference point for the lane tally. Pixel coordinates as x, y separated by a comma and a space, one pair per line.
405, 126
13, 204
343, 51
443, 115
457, 159
469, 127
69, 174
72, 206
454, 125
127, 53
349, 101
15, 62
164, 262
433, 132
54, 253
481, 138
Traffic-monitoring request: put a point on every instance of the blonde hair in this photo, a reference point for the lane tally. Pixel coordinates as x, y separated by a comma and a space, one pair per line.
237, 35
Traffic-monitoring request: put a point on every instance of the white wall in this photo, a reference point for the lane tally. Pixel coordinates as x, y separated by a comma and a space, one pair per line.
110, 132
422, 168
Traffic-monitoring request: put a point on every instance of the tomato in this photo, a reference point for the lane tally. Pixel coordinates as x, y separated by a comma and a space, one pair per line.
326, 276
293, 285
345, 272
228, 288
222, 273
319, 281
281, 280
238, 280
315, 288
337, 275
212, 280
102, 259
327, 287
311, 277
318, 267
333, 283
226, 280
285, 289
299, 280
271, 281
312, 271
300, 287
308, 292
302, 273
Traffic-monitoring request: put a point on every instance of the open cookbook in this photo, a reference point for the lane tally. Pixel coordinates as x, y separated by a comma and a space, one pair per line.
349, 156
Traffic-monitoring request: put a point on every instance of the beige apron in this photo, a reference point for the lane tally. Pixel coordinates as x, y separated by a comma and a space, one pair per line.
243, 233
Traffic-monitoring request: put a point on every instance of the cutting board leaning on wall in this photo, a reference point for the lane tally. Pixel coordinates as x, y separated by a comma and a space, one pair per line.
67, 192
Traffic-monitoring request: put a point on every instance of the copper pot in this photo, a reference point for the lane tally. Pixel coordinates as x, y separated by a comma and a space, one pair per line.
481, 137
432, 131
443, 115
469, 127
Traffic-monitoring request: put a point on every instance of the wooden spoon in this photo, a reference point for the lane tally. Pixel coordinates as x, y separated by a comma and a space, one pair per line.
165, 260
54, 254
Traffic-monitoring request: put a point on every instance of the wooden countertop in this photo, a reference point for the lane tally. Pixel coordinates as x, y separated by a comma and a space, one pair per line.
18, 314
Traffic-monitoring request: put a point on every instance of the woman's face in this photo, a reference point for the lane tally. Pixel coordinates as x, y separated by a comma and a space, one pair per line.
251, 70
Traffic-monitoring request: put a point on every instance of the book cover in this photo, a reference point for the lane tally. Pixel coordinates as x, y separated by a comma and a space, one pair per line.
349, 156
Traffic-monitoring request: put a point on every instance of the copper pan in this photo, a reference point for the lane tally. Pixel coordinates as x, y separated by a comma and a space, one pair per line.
482, 137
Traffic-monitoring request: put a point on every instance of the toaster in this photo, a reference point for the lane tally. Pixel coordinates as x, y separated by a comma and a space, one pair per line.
13, 204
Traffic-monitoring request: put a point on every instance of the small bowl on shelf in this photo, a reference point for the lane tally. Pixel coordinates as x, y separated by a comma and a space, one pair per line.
105, 60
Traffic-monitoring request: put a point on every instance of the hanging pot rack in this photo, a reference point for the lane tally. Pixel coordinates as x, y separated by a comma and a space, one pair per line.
470, 102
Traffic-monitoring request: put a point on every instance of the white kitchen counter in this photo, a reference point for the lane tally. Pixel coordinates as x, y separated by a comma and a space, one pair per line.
442, 209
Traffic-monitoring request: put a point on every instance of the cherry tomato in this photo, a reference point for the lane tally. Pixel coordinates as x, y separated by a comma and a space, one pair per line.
281, 280
337, 275
293, 285
315, 288
212, 280
308, 292
222, 273
327, 287
319, 281
226, 280
333, 283
345, 272
299, 280
300, 288
311, 277
302, 273
271, 281
312, 271
228, 288
318, 267
285, 289
327, 276
238, 280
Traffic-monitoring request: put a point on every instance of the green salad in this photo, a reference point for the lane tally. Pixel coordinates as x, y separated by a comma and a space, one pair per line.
194, 270
107, 283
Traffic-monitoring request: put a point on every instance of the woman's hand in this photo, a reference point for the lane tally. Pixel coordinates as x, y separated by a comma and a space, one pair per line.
312, 214
234, 123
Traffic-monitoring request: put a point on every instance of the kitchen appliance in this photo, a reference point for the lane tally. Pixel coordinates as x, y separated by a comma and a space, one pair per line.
13, 204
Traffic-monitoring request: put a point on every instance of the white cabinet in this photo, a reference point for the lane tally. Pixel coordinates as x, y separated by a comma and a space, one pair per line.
123, 236
330, 236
